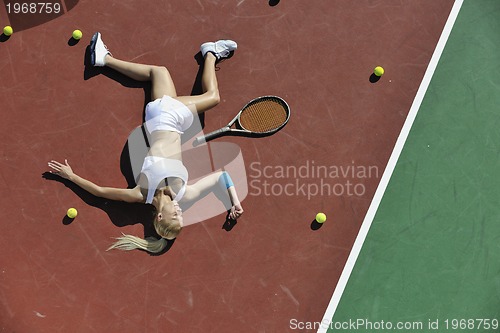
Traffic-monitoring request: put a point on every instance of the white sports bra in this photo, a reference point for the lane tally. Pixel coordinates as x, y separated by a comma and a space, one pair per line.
157, 169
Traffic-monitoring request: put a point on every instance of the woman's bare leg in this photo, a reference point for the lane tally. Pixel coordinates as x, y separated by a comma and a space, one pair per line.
210, 96
161, 81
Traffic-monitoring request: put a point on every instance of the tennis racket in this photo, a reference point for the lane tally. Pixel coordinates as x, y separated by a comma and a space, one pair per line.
260, 117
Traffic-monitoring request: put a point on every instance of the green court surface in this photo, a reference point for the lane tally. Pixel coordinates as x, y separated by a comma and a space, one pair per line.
431, 259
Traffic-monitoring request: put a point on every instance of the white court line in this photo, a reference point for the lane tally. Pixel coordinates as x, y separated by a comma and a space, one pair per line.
391, 164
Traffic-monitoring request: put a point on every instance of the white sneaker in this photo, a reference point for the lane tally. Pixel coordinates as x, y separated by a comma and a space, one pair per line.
98, 50
221, 48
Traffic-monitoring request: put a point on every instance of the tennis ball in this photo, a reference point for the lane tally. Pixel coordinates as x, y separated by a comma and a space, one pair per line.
320, 217
77, 34
379, 71
72, 213
7, 31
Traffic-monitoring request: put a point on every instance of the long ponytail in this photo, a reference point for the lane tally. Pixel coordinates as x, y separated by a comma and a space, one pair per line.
129, 242
167, 229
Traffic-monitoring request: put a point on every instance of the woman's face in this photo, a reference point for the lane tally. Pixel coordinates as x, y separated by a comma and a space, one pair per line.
170, 210
168, 221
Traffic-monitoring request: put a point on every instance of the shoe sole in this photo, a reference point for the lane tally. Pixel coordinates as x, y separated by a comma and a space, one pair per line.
93, 43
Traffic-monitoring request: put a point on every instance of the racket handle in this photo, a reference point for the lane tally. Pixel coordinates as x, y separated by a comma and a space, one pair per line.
210, 136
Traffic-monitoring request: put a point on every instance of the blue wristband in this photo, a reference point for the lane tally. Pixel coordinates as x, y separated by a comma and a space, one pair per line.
225, 180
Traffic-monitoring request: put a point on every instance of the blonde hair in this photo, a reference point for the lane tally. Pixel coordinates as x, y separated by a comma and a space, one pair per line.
166, 229
129, 242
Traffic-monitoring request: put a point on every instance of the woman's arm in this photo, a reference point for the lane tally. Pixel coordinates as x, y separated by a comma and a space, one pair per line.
211, 183
119, 194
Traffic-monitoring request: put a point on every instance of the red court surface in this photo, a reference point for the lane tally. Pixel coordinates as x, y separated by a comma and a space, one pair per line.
273, 265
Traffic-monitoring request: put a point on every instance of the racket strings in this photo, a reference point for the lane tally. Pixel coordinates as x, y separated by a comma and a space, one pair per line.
263, 116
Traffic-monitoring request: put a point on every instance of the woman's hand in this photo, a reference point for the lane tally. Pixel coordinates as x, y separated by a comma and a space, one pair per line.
236, 212
62, 170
